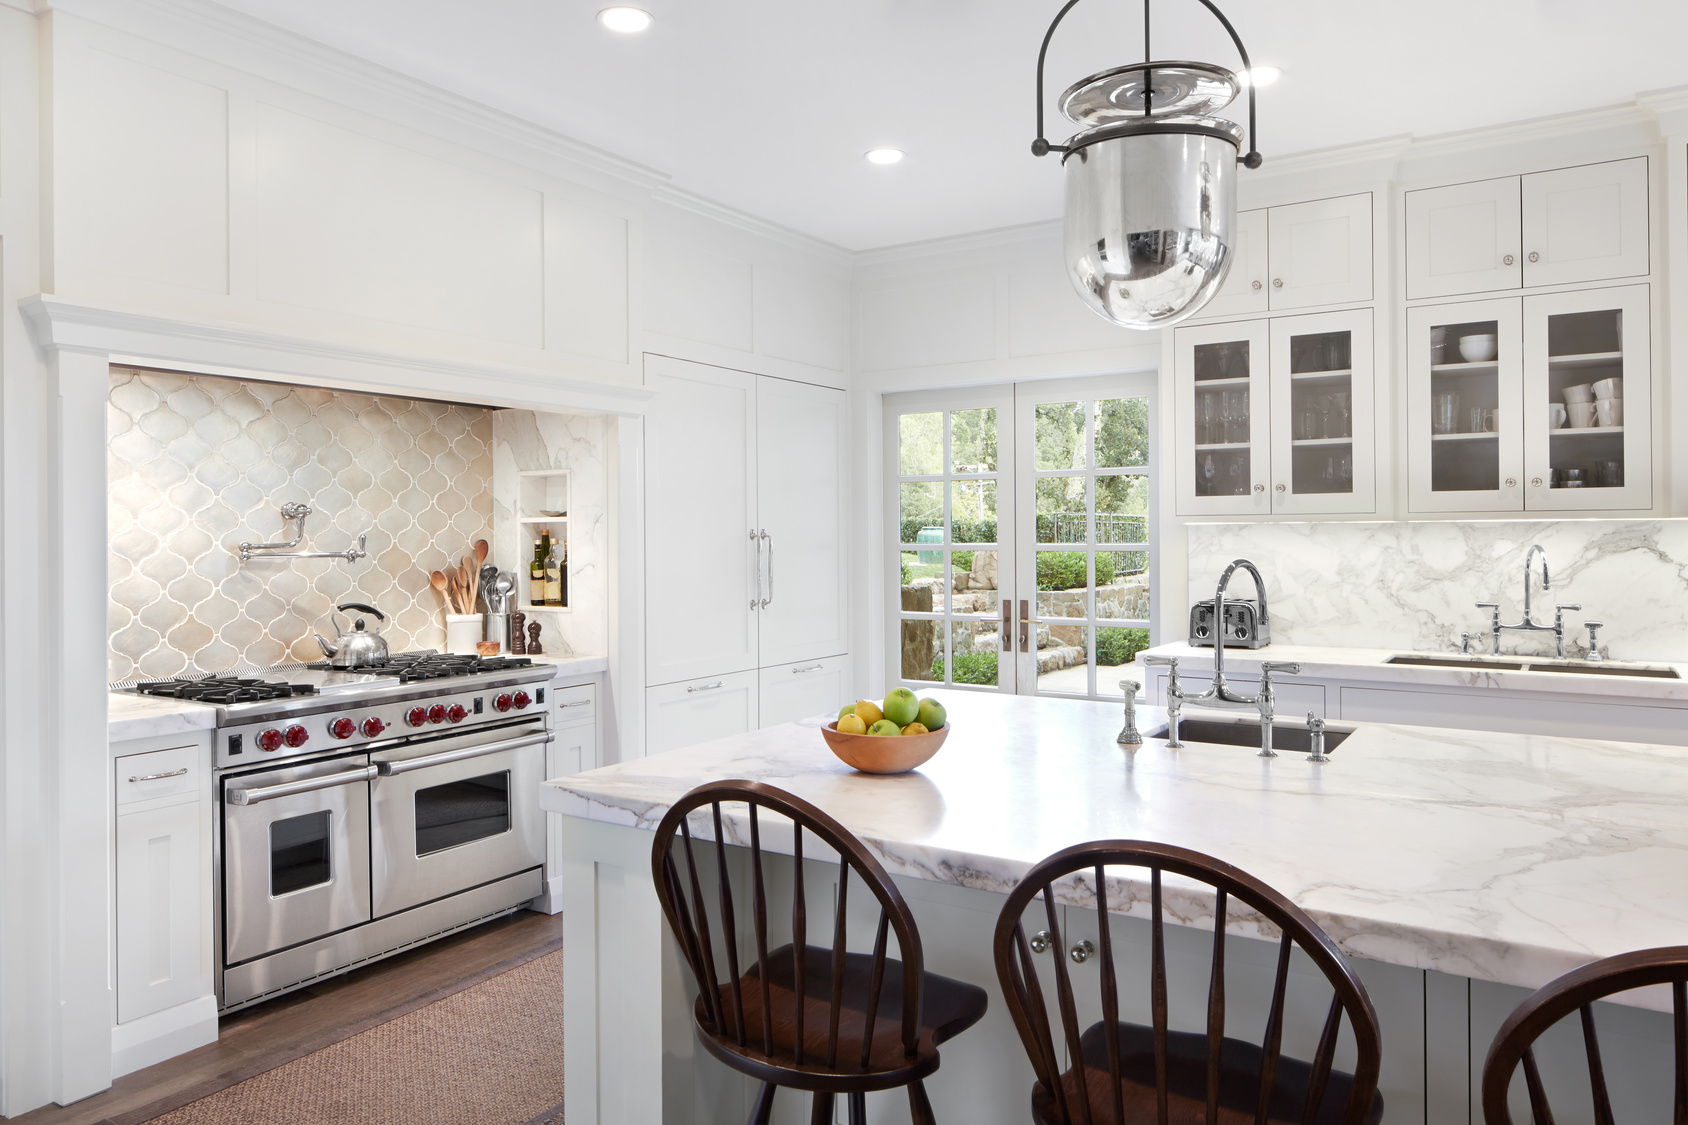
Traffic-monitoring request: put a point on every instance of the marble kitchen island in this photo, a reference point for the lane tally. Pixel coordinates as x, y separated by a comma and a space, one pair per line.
1459, 870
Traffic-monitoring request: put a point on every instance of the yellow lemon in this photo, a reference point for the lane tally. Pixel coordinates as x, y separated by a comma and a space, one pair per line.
916, 728
868, 711
851, 724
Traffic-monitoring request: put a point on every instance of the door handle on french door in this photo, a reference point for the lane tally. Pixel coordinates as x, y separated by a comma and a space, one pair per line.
1025, 623
769, 540
756, 600
1007, 624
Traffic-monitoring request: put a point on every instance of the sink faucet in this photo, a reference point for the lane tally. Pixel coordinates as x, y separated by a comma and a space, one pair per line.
1220, 693
1528, 623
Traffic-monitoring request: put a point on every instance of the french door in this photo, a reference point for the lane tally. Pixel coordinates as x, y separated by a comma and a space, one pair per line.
1020, 544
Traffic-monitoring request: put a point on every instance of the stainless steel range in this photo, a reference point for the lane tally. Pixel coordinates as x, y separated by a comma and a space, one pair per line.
361, 813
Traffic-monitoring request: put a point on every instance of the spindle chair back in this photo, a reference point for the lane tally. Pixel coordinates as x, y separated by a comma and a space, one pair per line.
1120, 1072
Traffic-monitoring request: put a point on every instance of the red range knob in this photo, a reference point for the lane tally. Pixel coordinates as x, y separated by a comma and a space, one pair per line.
372, 727
270, 740
457, 713
297, 736
342, 727
436, 713
504, 702
522, 700
416, 716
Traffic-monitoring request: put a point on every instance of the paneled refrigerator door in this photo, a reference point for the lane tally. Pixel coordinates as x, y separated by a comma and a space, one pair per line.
1465, 448
1220, 418
1587, 416
1324, 446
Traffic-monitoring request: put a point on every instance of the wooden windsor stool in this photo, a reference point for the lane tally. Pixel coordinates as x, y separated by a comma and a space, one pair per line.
809, 1017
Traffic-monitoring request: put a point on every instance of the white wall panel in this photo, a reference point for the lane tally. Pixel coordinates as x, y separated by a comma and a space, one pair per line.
697, 294
350, 224
943, 320
1045, 315
143, 167
802, 316
585, 281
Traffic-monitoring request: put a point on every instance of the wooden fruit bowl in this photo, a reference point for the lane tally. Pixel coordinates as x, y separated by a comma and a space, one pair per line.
873, 753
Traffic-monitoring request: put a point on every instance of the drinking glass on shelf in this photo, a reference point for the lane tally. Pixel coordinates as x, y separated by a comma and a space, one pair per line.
1238, 485
1324, 406
1240, 417
1446, 407
1343, 403
1474, 419
1345, 472
1308, 419
1210, 415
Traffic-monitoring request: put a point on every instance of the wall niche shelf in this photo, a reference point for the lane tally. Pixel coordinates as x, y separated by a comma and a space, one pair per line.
539, 491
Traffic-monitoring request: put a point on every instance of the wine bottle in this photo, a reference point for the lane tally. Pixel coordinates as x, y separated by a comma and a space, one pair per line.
563, 570
553, 576
536, 574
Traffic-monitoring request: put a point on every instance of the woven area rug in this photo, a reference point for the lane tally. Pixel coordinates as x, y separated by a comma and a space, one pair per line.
490, 1054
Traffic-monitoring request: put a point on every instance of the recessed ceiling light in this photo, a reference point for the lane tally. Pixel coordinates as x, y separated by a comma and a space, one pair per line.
1260, 75
884, 155
625, 19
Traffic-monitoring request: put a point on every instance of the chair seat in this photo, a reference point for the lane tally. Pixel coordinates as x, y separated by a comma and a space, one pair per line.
947, 1008
1186, 1055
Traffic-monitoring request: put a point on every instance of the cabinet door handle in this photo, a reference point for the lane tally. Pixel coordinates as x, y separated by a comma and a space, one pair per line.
1512, 482
1254, 284
809, 668
1277, 283
769, 540
1534, 257
1260, 488
756, 599
579, 703
1282, 488
1536, 481
1506, 261
159, 776
704, 687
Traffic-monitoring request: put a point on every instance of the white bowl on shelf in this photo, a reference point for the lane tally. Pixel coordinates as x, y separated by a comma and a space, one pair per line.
1477, 348
1582, 392
1608, 388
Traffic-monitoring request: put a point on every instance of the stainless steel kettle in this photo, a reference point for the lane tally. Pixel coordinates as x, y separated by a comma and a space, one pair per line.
359, 646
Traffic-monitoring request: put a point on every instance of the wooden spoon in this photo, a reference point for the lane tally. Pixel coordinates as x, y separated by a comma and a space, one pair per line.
481, 552
437, 579
463, 581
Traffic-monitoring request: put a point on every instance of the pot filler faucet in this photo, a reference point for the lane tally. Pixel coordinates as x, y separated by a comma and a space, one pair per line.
1529, 624
1220, 694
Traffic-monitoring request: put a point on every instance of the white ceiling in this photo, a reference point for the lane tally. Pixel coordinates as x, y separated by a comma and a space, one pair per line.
768, 105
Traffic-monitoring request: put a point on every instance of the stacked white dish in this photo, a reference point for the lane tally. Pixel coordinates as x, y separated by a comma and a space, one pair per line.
1587, 405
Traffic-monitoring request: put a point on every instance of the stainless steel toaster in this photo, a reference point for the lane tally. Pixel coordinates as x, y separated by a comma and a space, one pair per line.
1246, 624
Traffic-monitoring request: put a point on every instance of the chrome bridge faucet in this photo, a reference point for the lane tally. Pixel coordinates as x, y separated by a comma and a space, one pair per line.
1220, 694
1529, 624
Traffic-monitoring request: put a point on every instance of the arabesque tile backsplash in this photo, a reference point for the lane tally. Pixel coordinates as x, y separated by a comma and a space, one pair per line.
198, 464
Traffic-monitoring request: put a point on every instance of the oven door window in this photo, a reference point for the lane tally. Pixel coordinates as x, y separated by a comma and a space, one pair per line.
459, 812
299, 853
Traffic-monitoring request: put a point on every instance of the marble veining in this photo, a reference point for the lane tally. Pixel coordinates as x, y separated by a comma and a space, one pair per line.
1413, 585
1510, 858
130, 716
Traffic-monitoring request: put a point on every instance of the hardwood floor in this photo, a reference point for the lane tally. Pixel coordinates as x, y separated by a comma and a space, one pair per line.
266, 1035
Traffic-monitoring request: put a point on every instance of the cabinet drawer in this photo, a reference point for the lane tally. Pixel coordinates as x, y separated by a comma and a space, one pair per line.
802, 690
160, 773
577, 704
694, 711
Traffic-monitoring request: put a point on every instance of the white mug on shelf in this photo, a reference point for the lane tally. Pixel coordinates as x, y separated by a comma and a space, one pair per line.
1608, 388
1555, 415
1582, 415
1609, 411
1582, 392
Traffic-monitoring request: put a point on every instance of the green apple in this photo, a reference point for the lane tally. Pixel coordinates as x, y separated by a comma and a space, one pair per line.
847, 709
901, 707
885, 727
932, 715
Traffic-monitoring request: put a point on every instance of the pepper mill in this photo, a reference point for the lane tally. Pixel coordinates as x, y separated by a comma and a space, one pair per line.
533, 646
518, 638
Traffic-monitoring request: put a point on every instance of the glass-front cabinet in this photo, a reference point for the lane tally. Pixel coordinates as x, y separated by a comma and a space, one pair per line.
1276, 416
1531, 404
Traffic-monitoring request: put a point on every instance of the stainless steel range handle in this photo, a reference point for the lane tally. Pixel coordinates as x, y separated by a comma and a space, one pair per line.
388, 769
251, 796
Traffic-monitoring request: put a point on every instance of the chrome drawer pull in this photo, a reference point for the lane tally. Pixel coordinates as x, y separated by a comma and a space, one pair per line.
581, 703
810, 668
289, 788
705, 687
388, 769
160, 776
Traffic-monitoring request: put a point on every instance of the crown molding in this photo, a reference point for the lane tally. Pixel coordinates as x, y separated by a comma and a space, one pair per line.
222, 347
683, 200
998, 239
1669, 108
1590, 122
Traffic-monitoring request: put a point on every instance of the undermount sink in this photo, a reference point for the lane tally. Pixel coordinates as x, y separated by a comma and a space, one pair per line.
1246, 732
1491, 664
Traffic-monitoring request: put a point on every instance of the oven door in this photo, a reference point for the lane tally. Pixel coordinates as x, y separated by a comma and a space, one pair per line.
452, 813
295, 854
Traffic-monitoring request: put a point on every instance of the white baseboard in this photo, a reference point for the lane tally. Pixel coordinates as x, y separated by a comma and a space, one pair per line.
163, 1035
551, 901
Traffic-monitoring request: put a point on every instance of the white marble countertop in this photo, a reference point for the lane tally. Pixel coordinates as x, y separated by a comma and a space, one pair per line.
142, 716
1510, 858
1321, 662
574, 663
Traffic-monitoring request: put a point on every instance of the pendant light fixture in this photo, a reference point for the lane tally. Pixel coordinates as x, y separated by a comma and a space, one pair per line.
1151, 207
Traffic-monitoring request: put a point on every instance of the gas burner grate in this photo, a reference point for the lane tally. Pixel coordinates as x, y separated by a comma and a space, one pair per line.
223, 689
408, 667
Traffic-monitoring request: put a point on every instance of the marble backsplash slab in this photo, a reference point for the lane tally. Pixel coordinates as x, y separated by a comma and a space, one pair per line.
1414, 585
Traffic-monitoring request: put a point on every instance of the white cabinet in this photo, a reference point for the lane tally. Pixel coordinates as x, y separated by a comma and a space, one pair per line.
1276, 416
163, 881
1564, 226
1491, 427
1321, 252
699, 710
803, 690
1245, 290
575, 745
